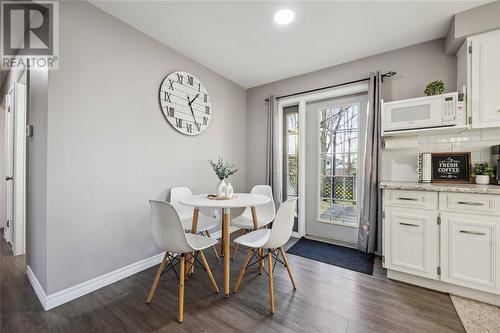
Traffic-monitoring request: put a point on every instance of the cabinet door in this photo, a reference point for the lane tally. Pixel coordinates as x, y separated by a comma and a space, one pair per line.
411, 241
485, 85
470, 250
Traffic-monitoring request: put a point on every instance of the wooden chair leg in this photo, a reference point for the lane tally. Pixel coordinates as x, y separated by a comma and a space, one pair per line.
243, 269
261, 260
157, 278
236, 244
270, 274
209, 272
285, 259
182, 270
214, 248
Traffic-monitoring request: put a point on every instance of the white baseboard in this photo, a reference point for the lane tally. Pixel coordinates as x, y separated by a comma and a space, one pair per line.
37, 287
53, 300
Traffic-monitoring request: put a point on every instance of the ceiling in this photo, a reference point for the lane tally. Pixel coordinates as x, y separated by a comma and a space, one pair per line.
240, 40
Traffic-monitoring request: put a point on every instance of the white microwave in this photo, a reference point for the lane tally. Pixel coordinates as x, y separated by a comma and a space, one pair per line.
423, 112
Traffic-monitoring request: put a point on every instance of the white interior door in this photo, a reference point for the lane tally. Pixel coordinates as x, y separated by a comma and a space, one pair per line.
334, 153
9, 167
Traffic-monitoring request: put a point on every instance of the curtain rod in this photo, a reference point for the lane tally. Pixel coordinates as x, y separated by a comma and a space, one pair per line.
388, 74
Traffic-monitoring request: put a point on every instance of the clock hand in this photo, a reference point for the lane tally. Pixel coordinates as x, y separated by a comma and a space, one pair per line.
195, 97
195, 122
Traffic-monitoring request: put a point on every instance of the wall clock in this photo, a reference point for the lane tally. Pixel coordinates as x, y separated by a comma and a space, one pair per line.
185, 103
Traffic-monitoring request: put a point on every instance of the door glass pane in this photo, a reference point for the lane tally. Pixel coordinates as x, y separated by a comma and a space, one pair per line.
338, 163
291, 155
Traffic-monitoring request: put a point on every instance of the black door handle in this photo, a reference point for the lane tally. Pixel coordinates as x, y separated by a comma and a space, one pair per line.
8, 178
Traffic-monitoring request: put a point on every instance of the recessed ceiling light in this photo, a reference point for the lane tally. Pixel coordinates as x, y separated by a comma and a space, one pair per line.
284, 16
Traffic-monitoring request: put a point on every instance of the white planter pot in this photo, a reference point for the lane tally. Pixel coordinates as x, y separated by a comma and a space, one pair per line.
482, 179
229, 190
221, 188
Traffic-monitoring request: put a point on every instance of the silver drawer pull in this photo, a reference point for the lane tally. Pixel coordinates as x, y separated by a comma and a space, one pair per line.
472, 232
408, 199
409, 224
470, 203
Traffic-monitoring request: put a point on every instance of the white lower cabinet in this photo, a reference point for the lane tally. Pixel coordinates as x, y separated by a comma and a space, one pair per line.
470, 250
411, 241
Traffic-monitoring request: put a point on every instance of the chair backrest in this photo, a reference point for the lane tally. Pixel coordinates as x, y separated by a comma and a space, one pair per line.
177, 194
282, 225
267, 211
167, 229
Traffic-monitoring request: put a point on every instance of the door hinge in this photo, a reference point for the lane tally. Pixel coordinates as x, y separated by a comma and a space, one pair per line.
383, 259
8, 223
383, 214
470, 48
439, 220
470, 120
439, 270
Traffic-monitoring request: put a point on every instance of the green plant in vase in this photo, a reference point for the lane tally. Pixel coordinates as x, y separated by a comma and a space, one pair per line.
223, 170
482, 171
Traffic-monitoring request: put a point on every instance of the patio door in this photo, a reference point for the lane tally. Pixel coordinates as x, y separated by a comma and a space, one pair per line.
334, 138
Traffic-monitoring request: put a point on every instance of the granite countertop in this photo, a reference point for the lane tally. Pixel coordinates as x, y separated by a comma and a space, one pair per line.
440, 187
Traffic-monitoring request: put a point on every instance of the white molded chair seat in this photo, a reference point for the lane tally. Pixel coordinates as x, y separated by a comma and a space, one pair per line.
246, 222
255, 239
198, 242
265, 213
205, 223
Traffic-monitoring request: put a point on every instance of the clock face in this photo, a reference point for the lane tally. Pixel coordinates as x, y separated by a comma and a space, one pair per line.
185, 103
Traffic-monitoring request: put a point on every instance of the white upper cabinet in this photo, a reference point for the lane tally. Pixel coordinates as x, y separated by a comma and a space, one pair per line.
480, 73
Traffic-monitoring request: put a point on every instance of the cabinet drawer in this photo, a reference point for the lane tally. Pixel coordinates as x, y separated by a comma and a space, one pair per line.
486, 204
411, 199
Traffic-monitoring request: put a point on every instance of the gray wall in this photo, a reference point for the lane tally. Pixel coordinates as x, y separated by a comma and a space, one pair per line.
110, 149
472, 22
36, 209
416, 66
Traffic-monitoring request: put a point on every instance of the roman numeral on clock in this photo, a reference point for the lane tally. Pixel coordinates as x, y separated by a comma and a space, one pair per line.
166, 96
205, 120
178, 122
189, 128
190, 80
170, 84
207, 109
198, 126
170, 111
180, 79
199, 87
205, 98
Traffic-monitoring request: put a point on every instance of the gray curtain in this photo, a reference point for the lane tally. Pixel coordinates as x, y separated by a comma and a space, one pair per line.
273, 159
370, 203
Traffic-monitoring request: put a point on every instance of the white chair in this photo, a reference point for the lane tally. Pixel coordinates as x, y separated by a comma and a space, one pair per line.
169, 235
205, 223
264, 213
271, 240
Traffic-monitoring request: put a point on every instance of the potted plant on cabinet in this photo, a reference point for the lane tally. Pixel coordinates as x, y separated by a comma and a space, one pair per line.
482, 171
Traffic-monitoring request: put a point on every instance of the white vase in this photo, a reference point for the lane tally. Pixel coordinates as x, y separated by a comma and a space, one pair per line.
229, 190
482, 179
221, 188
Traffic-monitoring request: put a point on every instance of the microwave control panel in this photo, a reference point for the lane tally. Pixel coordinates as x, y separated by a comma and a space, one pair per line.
450, 112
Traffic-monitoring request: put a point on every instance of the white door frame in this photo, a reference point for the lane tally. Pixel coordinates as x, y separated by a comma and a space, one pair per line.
301, 101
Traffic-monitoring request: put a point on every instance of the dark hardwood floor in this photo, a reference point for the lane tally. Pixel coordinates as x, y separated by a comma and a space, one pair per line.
328, 299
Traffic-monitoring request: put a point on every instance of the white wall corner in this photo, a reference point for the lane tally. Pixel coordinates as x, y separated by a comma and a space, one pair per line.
37, 287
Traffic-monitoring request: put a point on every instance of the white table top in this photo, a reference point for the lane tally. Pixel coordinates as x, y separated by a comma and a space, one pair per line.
239, 200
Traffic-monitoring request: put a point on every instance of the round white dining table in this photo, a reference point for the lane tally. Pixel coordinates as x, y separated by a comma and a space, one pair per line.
240, 200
